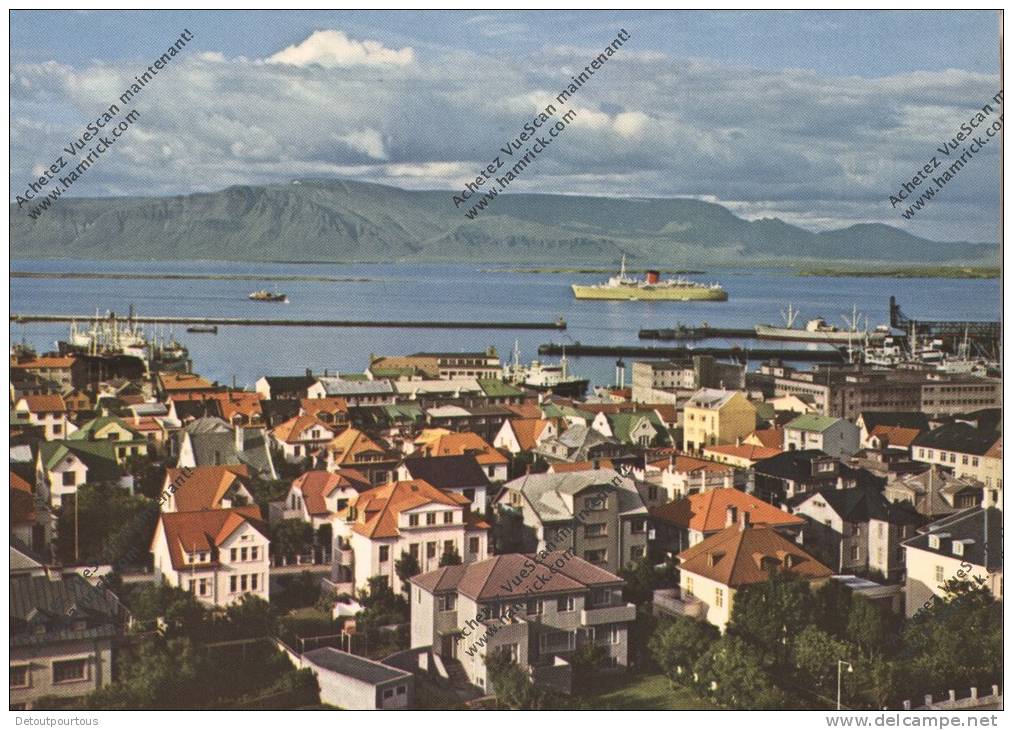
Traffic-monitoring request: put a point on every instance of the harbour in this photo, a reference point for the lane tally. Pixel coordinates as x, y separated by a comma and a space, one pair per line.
740, 354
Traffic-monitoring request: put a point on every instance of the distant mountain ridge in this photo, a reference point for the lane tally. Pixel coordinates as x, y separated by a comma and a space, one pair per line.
340, 220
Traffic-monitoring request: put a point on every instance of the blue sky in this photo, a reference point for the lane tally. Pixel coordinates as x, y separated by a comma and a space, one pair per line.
813, 117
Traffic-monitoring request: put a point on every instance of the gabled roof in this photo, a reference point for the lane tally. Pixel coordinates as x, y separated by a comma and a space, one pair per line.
447, 472
708, 511
905, 419
896, 435
288, 383
812, 423
50, 608
622, 424
862, 503
347, 387
527, 430
349, 444
743, 451
979, 529
959, 437
205, 530
460, 444
19, 483
22, 506
685, 464
499, 389
218, 448
51, 403
315, 486
87, 430
230, 402
736, 557
550, 495
49, 362
204, 487
332, 405
98, 456
583, 437
517, 575
377, 510
795, 465
349, 665
710, 398
170, 381
291, 431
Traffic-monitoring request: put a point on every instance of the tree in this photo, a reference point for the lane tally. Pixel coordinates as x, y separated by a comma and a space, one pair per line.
450, 556
586, 662
110, 524
871, 627
508, 681
763, 613
642, 579
733, 670
178, 612
250, 617
677, 644
816, 654
407, 566
290, 538
380, 605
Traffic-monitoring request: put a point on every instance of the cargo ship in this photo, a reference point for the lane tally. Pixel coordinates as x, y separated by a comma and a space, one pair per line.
545, 378
652, 287
817, 330
264, 295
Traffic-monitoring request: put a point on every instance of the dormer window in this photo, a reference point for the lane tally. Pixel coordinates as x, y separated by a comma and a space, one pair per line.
413, 520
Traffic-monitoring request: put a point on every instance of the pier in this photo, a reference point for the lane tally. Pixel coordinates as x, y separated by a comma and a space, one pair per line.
742, 354
559, 324
680, 332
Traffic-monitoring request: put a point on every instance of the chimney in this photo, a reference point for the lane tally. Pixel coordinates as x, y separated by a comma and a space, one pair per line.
731, 516
744, 520
240, 437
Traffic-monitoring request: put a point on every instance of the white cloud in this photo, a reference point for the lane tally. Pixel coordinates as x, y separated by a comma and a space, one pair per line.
211, 57
630, 124
332, 48
367, 141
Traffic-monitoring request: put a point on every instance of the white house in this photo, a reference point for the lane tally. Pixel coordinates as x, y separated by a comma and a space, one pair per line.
524, 434
300, 437
315, 496
48, 411
218, 555
835, 436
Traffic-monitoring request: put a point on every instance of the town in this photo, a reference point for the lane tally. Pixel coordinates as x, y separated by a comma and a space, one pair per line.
446, 530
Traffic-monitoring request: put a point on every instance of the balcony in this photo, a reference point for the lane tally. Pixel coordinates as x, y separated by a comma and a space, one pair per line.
671, 601
343, 556
608, 614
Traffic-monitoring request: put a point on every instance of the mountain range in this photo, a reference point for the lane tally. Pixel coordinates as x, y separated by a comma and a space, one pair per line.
340, 220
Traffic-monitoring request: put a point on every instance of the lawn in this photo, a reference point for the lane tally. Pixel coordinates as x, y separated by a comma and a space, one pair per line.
650, 692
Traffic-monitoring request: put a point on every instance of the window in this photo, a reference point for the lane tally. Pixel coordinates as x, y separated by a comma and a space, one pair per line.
447, 602
974, 461
20, 676
689, 585
940, 575
511, 650
638, 525
401, 689
595, 504
413, 520
388, 693
384, 553
430, 518
253, 581
637, 552
69, 479
719, 597
73, 670
492, 471
448, 546
565, 603
233, 554
473, 545
448, 517
595, 556
534, 607
242, 582
203, 557
963, 459
413, 549
430, 549
253, 553
600, 597
202, 589
242, 554
190, 584
232, 584
652, 492
595, 530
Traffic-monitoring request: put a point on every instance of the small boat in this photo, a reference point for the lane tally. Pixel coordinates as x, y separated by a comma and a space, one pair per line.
209, 329
263, 295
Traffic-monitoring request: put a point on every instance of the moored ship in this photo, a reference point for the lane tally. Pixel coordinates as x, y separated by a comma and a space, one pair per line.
545, 378
817, 330
651, 287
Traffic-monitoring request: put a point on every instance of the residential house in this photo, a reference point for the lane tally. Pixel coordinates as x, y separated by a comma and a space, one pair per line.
713, 416
353, 449
781, 477
237, 407
934, 492
171, 383
538, 608
598, 515
964, 450
32, 524
485, 420
315, 496
63, 633
333, 411
459, 474
414, 517
127, 441
742, 456
219, 555
78, 402
687, 521
284, 387
834, 436
524, 434
870, 421
440, 442
857, 530
355, 392
445, 365
897, 438
800, 404
713, 570
301, 437
63, 466
65, 371
966, 545
212, 442
683, 475
48, 412
206, 487
667, 381
578, 443
771, 438
641, 429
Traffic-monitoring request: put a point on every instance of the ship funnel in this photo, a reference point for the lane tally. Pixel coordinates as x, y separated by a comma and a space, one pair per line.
652, 276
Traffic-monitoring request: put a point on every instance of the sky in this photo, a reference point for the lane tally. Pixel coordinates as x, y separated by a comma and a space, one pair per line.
816, 118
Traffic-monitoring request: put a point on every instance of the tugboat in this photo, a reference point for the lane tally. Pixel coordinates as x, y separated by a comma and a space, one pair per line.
208, 329
263, 295
652, 287
545, 378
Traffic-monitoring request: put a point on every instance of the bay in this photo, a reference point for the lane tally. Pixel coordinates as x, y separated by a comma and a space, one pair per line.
404, 291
